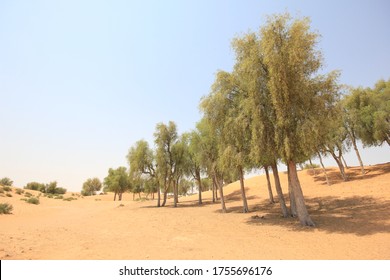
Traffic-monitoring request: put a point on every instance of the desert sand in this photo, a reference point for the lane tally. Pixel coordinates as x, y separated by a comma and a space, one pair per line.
352, 222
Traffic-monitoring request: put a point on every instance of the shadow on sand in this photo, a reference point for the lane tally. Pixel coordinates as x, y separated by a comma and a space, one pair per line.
359, 215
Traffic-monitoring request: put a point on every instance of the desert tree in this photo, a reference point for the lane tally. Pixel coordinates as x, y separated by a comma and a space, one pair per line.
193, 145
210, 157
299, 95
6, 182
117, 181
253, 77
91, 186
224, 111
165, 138
141, 159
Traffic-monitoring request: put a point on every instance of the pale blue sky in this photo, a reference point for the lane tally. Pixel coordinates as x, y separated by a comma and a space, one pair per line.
82, 81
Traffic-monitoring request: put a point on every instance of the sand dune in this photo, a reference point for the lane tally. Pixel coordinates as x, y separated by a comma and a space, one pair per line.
352, 218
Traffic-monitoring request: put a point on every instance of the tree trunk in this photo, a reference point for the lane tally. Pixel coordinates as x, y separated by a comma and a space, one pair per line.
357, 154
312, 167
213, 191
323, 168
340, 165
199, 180
158, 195
345, 163
174, 194
293, 205
244, 201
220, 188
165, 196
270, 194
115, 196
279, 190
216, 194
133, 196
303, 215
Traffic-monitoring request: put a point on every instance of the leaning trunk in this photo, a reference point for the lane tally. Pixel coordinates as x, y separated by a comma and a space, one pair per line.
279, 190
323, 168
302, 213
340, 165
244, 201
357, 154
270, 194
220, 188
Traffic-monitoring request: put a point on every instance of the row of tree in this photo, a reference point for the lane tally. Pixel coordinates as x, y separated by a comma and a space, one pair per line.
273, 107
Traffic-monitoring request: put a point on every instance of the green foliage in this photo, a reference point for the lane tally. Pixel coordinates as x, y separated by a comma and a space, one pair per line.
91, 186
7, 189
368, 113
33, 200
6, 208
6, 182
19, 191
28, 194
45, 188
117, 180
35, 186
301, 99
311, 166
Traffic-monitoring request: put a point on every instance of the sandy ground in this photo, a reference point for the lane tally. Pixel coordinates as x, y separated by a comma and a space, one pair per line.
352, 222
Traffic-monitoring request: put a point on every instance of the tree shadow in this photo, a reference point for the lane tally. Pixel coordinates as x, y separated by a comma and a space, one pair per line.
359, 215
353, 173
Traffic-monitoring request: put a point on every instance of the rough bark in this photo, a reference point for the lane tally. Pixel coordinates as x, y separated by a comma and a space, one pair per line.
340, 165
345, 163
199, 180
244, 201
270, 194
302, 212
293, 205
220, 188
279, 190
158, 196
213, 191
323, 168
357, 153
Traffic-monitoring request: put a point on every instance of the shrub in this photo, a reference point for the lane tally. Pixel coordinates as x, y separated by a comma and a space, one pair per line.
6, 182
69, 199
60, 191
7, 189
310, 166
19, 191
9, 195
58, 197
27, 194
33, 200
35, 186
6, 208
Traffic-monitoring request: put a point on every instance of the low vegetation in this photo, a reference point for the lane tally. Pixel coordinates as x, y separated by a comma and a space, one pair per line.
6, 208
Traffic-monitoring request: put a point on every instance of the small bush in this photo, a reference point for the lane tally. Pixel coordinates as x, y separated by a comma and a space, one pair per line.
19, 191
27, 194
6, 208
9, 195
6, 181
33, 200
58, 197
310, 166
7, 189
69, 199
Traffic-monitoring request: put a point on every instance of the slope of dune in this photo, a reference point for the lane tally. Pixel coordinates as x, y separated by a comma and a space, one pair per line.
352, 222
